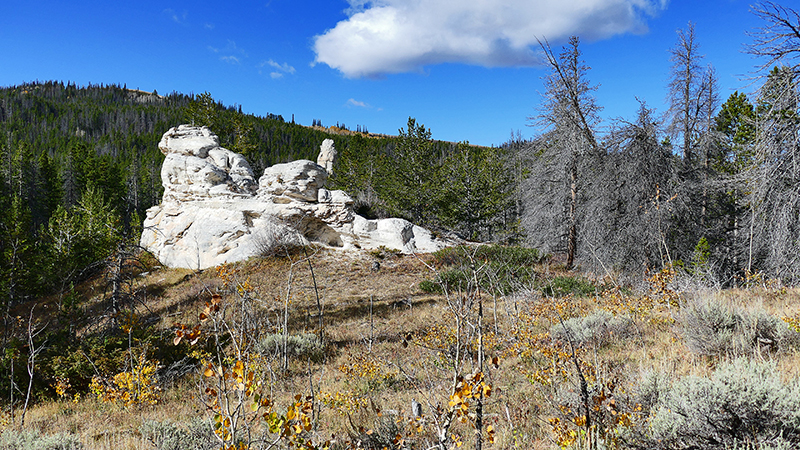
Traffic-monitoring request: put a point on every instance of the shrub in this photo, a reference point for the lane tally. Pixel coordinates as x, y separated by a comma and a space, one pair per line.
562, 286
652, 388
33, 440
509, 255
382, 434
278, 239
712, 328
196, 435
761, 329
744, 402
383, 252
709, 327
450, 280
430, 287
303, 345
598, 328
499, 269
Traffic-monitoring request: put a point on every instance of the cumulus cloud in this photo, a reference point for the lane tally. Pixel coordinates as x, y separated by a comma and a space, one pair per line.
278, 69
391, 36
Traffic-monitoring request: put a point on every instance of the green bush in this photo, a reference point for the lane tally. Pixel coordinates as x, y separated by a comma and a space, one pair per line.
509, 255
430, 287
34, 440
744, 403
499, 269
563, 286
450, 280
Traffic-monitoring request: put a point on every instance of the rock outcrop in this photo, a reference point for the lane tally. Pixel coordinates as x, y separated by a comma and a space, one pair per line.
327, 155
214, 211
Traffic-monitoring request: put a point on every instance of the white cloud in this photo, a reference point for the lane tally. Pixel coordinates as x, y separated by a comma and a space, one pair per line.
393, 36
174, 16
230, 54
280, 69
353, 102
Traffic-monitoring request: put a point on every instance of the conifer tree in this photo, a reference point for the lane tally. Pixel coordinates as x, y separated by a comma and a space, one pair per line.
477, 198
412, 185
360, 170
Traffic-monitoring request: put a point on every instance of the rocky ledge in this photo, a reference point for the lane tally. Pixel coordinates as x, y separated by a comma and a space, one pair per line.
214, 211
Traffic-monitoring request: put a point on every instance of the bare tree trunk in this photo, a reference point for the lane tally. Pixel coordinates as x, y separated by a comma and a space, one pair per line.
572, 238
316, 293
33, 351
11, 393
285, 350
479, 400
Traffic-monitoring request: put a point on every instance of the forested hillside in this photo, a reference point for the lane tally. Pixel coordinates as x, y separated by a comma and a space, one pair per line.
82, 166
74, 152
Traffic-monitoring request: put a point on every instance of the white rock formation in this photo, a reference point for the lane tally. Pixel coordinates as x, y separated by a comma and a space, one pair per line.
299, 180
214, 212
327, 155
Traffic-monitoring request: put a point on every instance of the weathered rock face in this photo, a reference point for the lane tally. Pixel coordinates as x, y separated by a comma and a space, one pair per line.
298, 180
213, 211
327, 155
196, 167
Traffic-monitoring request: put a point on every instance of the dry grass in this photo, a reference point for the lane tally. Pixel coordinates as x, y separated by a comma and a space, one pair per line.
368, 314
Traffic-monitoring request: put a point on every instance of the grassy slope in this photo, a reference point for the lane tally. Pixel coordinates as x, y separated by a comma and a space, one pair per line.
519, 410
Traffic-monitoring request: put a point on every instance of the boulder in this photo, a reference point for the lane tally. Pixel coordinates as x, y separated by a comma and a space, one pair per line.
299, 180
214, 212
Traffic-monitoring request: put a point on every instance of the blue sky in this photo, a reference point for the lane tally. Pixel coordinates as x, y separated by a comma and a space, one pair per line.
467, 70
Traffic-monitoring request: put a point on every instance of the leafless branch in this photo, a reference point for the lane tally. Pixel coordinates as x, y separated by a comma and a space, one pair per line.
778, 41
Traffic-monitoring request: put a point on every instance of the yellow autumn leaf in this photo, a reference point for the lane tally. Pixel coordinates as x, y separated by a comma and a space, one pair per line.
238, 370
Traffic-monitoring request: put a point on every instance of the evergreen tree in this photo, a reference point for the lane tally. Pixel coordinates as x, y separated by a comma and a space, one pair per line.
477, 192
18, 281
360, 170
80, 237
412, 186
202, 111
50, 186
736, 125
